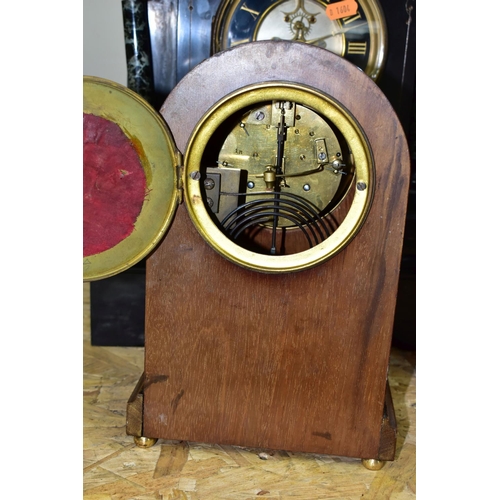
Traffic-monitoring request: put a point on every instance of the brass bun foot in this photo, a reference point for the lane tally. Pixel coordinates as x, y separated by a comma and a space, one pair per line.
144, 442
373, 464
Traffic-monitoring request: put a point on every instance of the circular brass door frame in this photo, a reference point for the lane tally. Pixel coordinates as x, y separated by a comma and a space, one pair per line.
155, 146
318, 102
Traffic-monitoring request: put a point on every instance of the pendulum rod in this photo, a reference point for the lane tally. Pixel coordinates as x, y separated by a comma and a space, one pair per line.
281, 138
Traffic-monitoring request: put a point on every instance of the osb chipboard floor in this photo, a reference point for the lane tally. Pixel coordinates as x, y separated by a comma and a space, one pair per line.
115, 469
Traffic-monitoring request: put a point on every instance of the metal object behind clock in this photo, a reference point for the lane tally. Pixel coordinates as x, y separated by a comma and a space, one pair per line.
180, 38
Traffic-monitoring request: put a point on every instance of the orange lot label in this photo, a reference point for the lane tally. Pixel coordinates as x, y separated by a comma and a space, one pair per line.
338, 10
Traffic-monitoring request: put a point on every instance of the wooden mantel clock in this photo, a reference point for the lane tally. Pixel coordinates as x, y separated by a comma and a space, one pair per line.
274, 191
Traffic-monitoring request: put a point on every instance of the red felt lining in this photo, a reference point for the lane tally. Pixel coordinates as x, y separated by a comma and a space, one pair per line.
114, 185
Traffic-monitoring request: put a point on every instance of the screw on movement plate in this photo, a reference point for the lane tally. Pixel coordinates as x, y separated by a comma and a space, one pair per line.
209, 183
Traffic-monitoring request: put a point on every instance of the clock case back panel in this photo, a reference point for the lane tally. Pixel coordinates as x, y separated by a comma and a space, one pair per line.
295, 361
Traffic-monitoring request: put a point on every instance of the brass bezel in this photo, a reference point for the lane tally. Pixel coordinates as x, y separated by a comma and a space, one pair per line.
374, 16
155, 146
322, 104
378, 47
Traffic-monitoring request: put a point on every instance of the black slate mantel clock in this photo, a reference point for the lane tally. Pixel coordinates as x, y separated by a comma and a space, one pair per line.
359, 34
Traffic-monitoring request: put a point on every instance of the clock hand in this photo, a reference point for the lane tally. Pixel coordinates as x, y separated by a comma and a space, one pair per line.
314, 41
336, 33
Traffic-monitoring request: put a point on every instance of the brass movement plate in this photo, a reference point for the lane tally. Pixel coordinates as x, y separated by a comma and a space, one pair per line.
154, 145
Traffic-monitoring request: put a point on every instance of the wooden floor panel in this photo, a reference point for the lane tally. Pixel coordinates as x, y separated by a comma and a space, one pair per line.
115, 469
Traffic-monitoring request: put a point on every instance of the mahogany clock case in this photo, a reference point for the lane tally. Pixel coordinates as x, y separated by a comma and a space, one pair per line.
118, 303
230, 357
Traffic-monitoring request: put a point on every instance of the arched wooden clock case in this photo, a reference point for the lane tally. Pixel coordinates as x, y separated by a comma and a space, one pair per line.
294, 356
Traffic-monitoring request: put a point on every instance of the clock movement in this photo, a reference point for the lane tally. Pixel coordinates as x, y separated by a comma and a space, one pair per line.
274, 186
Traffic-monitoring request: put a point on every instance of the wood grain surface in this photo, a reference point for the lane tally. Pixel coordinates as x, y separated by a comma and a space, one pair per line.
295, 361
115, 469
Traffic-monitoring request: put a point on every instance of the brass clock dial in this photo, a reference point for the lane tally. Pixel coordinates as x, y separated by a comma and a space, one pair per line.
360, 37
